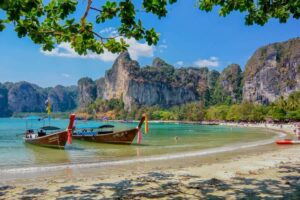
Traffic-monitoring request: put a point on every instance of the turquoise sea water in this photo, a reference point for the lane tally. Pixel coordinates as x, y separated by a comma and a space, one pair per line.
14, 153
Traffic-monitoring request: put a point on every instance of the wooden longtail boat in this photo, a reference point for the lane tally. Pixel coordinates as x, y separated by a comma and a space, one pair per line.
56, 139
108, 136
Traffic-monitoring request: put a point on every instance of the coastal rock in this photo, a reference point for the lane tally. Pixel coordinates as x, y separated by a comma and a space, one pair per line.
87, 91
229, 85
150, 94
158, 62
63, 98
4, 112
100, 87
116, 79
160, 84
26, 97
273, 71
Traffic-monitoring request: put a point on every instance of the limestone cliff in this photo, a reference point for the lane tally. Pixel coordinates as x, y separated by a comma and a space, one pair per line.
28, 97
4, 111
229, 85
63, 98
273, 71
116, 81
160, 84
87, 91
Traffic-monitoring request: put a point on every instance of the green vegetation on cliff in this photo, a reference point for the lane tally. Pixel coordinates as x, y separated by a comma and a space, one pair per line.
281, 110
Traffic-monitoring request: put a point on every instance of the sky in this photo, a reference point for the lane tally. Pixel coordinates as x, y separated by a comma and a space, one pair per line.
188, 37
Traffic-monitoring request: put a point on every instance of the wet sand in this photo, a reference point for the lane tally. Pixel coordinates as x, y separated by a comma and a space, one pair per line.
267, 171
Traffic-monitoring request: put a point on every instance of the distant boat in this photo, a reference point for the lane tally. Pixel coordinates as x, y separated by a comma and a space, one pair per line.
287, 141
49, 136
106, 134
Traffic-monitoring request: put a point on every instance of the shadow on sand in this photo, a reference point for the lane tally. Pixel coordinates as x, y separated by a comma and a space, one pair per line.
155, 185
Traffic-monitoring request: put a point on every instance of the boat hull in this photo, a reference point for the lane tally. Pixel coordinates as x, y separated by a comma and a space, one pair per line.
287, 142
55, 140
120, 137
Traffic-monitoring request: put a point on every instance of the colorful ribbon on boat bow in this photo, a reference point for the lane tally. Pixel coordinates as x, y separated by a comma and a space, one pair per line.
70, 128
146, 124
140, 136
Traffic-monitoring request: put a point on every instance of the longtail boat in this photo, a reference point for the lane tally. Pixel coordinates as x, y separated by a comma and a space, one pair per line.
55, 139
106, 134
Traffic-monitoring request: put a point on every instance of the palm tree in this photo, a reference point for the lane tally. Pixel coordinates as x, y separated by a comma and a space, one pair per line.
281, 103
292, 102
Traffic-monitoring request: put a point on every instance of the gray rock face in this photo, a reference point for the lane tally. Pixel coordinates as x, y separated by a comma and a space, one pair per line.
4, 112
87, 91
158, 62
116, 79
160, 84
100, 86
164, 95
26, 97
272, 71
230, 82
63, 98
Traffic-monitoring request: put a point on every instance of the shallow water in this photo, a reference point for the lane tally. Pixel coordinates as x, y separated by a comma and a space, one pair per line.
160, 141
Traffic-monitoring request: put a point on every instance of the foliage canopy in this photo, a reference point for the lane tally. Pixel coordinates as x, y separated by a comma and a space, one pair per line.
52, 23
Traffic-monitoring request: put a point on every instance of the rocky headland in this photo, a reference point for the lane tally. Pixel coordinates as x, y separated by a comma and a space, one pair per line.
272, 71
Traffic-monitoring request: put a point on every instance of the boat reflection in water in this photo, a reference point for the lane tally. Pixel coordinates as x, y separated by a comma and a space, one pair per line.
43, 156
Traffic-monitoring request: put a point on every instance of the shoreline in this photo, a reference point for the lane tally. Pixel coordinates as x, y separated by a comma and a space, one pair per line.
163, 157
218, 169
159, 157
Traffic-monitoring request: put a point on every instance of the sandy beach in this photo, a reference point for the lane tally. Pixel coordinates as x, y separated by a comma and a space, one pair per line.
263, 172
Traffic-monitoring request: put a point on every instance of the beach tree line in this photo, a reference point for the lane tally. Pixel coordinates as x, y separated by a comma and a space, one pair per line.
49, 23
283, 109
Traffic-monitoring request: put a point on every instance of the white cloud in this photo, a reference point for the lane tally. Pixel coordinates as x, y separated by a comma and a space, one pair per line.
65, 50
109, 31
211, 62
66, 75
136, 51
214, 58
179, 63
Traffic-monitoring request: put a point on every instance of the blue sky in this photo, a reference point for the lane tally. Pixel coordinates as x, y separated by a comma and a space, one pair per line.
189, 37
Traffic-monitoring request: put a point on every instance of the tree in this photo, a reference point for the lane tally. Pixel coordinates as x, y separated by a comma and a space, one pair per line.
281, 103
293, 101
234, 113
277, 114
293, 115
217, 112
257, 12
52, 23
